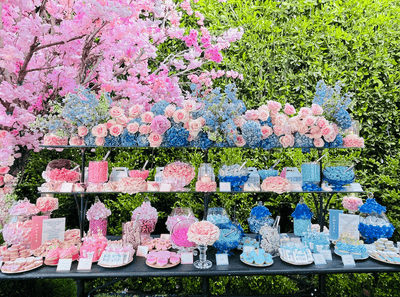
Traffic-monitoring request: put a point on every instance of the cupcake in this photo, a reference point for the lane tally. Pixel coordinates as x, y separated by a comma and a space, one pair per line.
52, 257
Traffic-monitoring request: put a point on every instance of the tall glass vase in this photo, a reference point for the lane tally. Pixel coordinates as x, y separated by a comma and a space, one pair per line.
202, 263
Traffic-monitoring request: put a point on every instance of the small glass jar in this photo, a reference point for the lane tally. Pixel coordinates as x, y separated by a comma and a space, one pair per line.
206, 173
98, 171
311, 173
96, 226
131, 233
179, 237
301, 226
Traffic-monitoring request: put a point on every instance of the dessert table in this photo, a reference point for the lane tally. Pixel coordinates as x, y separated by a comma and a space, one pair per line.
138, 268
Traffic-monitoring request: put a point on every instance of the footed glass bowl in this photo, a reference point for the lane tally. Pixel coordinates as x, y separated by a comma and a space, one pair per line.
338, 176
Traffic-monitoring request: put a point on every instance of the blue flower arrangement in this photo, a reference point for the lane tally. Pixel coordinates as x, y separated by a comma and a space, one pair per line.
301, 140
202, 141
159, 107
90, 139
176, 137
270, 142
371, 206
128, 139
113, 140
302, 212
251, 132
260, 211
259, 216
142, 141
310, 187
338, 142
372, 233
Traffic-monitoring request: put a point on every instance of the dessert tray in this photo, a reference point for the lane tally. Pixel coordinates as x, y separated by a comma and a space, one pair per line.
355, 259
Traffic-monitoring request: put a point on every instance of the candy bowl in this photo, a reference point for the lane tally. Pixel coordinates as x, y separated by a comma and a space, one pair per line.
62, 170
179, 237
229, 238
235, 174
338, 175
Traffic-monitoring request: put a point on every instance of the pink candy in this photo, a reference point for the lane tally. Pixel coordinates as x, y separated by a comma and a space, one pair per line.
46, 204
98, 226
180, 238
98, 171
351, 202
206, 186
143, 174
179, 170
63, 175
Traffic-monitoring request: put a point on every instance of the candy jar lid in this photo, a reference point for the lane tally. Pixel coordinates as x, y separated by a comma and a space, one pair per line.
259, 216
217, 215
302, 211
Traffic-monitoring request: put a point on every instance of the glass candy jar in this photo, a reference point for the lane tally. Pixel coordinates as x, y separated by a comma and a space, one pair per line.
338, 174
301, 219
217, 215
235, 174
179, 237
131, 233
373, 221
270, 240
259, 216
206, 179
229, 238
98, 171
311, 173
178, 214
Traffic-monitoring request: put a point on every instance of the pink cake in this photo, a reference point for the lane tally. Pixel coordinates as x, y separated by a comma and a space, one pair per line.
98, 171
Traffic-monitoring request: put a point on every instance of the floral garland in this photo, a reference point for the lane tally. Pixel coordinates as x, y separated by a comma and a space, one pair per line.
205, 119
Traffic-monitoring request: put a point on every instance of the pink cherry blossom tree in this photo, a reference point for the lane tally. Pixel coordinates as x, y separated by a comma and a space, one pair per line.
48, 48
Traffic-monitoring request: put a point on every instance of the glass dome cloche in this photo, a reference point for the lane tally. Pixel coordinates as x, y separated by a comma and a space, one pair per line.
374, 223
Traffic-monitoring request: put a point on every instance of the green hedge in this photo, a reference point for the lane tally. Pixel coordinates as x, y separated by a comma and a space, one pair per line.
287, 47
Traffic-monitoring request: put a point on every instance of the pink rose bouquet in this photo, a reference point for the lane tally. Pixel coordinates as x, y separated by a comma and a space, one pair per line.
130, 185
100, 130
352, 140
203, 232
352, 202
23, 208
276, 184
160, 124
47, 204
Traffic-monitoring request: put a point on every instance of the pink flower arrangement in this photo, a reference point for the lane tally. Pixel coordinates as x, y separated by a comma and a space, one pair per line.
352, 202
287, 141
203, 232
189, 105
144, 129
4, 170
316, 109
155, 140
160, 124
132, 127
180, 116
116, 112
63, 175
100, 141
289, 109
276, 184
352, 140
169, 110
82, 131
195, 127
179, 170
100, 130
24, 208
147, 117
98, 211
135, 110
52, 139
46, 204
75, 141
116, 130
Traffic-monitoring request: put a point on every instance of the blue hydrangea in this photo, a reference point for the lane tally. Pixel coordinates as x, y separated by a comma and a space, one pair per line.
176, 137
202, 141
267, 123
343, 119
159, 107
142, 141
338, 142
90, 139
128, 139
251, 132
302, 140
222, 144
111, 141
270, 142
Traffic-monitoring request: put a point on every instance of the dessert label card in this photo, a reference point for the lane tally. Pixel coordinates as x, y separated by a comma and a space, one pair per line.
165, 187
348, 260
349, 223
142, 251
327, 254
334, 223
85, 264
187, 258
64, 265
165, 236
53, 229
222, 259
319, 259
66, 187
224, 187
36, 231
